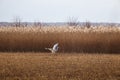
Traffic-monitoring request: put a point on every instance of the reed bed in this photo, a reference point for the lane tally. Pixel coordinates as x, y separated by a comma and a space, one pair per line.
71, 39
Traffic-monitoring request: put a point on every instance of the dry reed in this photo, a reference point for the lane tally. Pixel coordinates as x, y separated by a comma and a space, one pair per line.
94, 39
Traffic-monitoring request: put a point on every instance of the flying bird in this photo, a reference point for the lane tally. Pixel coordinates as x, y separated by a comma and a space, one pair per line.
54, 49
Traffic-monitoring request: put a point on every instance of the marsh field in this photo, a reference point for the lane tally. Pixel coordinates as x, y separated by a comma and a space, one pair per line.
45, 66
84, 53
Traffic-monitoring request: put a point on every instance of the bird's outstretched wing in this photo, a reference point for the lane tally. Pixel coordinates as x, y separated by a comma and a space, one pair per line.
49, 49
55, 47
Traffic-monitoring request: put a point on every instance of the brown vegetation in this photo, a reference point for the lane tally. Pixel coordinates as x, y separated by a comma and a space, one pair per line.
44, 66
62, 66
75, 40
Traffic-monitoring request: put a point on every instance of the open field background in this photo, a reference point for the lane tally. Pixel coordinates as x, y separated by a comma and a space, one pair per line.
71, 39
23, 55
45, 66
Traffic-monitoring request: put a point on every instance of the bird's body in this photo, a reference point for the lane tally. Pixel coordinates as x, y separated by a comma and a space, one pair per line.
54, 49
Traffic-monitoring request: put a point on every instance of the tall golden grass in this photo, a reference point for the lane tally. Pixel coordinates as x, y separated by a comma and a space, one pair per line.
71, 39
43, 66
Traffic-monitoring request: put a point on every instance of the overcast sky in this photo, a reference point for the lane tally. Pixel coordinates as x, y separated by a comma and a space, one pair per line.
60, 10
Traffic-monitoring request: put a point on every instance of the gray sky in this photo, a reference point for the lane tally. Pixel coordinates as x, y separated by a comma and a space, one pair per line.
60, 10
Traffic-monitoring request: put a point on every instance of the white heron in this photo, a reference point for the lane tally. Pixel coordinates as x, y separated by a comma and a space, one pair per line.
54, 49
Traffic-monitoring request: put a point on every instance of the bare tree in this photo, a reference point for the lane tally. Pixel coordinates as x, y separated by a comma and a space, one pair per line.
72, 21
37, 24
25, 24
87, 24
17, 22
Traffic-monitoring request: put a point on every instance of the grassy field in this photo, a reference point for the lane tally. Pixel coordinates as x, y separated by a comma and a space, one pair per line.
23, 55
45, 66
